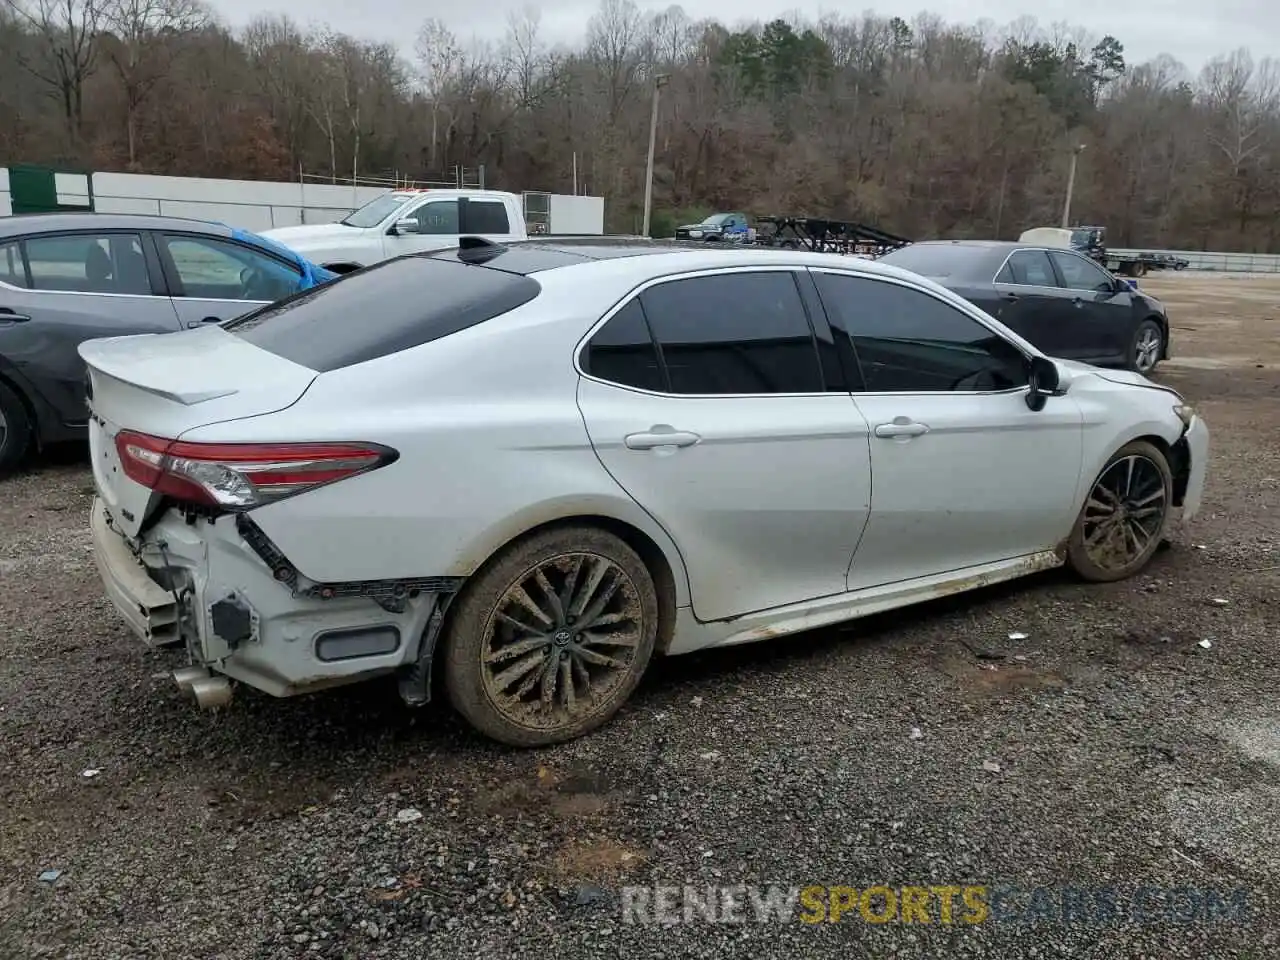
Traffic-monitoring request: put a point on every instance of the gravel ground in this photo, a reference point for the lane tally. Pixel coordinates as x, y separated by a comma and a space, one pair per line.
1106, 749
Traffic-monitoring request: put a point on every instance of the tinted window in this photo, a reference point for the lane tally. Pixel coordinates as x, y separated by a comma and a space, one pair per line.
1028, 268
735, 333
622, 351
102, 263
11, 270
909, 341
210, 269
1079, 273
938, 259
440, 217
381, 310
485, 216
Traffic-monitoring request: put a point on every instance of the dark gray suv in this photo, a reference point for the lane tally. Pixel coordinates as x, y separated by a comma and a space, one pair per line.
70, 277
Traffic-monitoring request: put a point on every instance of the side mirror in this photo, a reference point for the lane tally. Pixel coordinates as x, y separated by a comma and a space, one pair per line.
407, 225
1043, 378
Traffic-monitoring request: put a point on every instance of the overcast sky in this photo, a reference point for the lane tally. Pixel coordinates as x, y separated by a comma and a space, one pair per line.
1193, 31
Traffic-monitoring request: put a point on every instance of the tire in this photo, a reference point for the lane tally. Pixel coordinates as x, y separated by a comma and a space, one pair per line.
15, 430
1139, 269
478, 617
1147, 347
1084, 560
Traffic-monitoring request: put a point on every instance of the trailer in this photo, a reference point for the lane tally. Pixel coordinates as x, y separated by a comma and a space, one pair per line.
1092, 242
827, 236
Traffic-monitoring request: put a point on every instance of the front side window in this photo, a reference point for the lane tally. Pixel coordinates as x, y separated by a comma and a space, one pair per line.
1028, 268
211, 269
734, 333
437, 217
908, 341
1079, 273
12, 271
89, 263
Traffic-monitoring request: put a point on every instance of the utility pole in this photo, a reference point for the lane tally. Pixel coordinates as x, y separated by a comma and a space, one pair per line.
659, 82
1071, 186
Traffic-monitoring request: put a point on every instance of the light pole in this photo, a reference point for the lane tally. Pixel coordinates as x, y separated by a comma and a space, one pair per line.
1071, 185
659, 82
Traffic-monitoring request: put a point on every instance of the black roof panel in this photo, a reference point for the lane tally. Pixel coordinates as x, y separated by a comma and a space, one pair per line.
532, 256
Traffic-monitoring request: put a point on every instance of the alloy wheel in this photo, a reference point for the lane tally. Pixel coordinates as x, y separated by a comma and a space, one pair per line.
1147, 350
1125, 513
561, 638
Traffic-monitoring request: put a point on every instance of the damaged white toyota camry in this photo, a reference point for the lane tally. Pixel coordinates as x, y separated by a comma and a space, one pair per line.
532, 468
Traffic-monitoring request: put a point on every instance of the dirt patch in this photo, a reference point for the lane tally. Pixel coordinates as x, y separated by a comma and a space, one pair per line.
568, 793
598, 860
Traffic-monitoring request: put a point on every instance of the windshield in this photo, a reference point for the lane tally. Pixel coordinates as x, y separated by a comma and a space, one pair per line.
718, 219
932, 259
1084, 237
375, 211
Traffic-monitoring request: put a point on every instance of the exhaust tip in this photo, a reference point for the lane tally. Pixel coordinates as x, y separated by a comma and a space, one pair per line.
184, 677
211, 692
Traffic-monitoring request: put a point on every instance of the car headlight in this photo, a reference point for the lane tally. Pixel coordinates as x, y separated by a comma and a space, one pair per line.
695, 233
1185, 413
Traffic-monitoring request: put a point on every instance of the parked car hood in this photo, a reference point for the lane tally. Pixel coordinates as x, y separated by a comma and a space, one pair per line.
311, 234
1127, 377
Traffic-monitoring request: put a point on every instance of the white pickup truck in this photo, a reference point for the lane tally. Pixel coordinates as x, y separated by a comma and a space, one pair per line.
406, 221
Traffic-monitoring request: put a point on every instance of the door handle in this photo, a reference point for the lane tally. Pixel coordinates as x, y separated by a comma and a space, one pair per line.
901, 428
660, 435
7, 315
1008, 296
1078, 301
192, 324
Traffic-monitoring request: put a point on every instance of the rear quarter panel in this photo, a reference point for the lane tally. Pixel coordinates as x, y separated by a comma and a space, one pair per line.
491, 445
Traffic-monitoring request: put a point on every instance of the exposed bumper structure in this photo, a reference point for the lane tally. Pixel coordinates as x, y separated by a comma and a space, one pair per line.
201, 584
1197, 437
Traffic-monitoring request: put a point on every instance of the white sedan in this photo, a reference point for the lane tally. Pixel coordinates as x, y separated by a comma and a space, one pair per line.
533, 467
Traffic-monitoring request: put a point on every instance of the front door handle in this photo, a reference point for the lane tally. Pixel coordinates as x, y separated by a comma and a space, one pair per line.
192, 324
660, 435
8, 316
901, 428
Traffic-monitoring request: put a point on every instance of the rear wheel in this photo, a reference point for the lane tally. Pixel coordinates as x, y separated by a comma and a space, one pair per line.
1123, 519
1139, 269
551, 637
1147, 347
15, 429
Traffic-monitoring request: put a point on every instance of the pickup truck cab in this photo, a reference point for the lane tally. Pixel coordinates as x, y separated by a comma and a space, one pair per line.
406, 221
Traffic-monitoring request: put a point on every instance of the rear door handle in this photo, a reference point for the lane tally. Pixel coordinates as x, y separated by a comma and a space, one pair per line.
660, 435
8, 316
901, 428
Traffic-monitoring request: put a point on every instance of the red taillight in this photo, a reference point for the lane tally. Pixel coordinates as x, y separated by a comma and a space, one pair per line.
236, 476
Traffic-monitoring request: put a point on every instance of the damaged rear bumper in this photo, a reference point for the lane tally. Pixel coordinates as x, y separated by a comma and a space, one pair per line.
202, 585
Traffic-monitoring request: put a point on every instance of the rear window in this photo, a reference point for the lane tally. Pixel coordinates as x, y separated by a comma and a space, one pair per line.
934, 260
382, 310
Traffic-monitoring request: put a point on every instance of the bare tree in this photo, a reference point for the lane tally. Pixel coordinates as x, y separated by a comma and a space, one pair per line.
145, 37
66, 52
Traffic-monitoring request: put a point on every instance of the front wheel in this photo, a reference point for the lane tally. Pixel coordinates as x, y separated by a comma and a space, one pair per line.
1123, 519
551, 637
1147, 347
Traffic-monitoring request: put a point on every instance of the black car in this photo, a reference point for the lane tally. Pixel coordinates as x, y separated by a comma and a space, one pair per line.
1060, 300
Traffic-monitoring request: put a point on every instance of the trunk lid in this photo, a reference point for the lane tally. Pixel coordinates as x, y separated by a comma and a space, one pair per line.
168, 384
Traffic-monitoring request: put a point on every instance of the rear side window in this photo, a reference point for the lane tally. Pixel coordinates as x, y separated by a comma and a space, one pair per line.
12, 271
485, 216
735, 333
623, 352
381, 310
